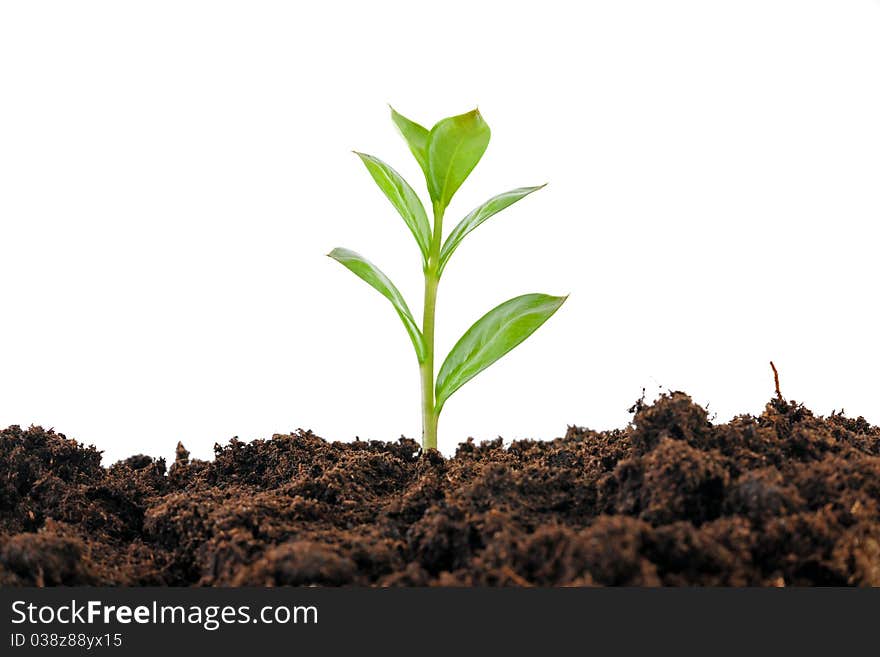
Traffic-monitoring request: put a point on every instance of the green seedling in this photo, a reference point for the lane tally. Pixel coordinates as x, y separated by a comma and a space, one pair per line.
447, 153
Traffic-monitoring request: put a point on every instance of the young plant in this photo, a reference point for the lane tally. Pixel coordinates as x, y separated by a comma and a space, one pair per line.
447, 153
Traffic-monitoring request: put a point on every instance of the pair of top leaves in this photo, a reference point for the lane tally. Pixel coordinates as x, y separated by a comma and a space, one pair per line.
447, 154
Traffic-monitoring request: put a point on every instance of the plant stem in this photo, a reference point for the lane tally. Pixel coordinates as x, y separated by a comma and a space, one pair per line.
432, 279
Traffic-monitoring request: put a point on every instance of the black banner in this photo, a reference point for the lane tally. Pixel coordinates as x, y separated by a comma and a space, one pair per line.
151, 621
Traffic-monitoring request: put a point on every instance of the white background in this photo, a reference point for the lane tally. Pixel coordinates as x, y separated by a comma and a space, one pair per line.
172, 174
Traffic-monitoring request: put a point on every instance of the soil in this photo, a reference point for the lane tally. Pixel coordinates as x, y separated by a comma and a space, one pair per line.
787, 498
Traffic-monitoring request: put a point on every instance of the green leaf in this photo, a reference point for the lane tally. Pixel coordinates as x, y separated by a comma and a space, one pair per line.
416, 137
403, 198
491, 207
455, 145
492, 336
367, 271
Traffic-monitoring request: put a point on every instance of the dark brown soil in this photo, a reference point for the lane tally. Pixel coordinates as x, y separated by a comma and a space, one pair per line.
786, 498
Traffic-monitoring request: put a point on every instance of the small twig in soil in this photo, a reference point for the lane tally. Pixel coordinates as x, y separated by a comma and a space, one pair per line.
514, 577
776, 380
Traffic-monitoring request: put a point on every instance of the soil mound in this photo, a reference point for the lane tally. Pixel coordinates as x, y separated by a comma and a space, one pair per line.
787, 498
